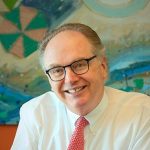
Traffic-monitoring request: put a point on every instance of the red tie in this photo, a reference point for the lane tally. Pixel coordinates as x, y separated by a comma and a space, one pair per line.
77, 139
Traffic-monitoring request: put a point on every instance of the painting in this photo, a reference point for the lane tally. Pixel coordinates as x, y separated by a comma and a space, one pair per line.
123, 26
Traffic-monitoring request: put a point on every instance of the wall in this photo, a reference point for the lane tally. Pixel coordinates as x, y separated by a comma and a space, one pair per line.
7, 133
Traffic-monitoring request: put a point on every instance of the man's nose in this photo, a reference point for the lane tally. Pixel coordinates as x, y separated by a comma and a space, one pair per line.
70, 75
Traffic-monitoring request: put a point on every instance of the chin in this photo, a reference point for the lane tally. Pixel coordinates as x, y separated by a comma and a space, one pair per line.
78, 102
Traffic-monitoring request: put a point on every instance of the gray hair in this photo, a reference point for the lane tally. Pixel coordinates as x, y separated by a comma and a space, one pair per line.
88, 32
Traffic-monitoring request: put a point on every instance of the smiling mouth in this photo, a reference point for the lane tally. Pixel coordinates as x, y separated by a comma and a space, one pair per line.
75, 90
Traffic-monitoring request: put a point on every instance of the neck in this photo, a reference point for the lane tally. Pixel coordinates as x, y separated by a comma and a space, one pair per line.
83, 110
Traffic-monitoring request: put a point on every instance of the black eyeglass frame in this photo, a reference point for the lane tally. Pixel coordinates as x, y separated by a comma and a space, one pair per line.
70, 65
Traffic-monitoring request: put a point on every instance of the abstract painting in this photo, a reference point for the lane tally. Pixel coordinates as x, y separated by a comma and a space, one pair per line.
124, 27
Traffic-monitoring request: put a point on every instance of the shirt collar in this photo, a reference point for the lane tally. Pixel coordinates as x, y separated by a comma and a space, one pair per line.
97, 113
72, 118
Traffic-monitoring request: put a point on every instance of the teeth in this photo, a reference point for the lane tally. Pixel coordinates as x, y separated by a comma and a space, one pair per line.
75, 90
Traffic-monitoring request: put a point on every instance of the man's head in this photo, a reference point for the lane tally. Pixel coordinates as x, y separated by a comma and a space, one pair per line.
73, 58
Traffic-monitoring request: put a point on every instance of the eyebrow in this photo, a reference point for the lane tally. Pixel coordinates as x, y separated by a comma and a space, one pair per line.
54, 65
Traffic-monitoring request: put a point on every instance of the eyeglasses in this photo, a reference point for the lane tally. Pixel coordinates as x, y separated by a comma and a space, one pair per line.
78, 67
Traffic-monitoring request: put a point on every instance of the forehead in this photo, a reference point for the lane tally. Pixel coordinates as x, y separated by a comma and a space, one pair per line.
68, 38
66, 47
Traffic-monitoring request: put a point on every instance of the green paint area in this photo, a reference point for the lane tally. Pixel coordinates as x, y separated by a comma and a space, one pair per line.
139, 83
8, 40
29, 44
10, 3
14, 17
37, 22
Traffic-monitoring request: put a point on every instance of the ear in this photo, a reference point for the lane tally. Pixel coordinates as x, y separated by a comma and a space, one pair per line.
104, 68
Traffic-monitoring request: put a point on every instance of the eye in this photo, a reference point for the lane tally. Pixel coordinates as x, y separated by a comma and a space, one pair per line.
79, 65
57, 71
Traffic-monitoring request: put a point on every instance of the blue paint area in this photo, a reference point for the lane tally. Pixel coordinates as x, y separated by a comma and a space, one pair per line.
130, 56
135, 71
131, 64
116, 11
10, 92
10, 103
145, 88
55, 10
121, 74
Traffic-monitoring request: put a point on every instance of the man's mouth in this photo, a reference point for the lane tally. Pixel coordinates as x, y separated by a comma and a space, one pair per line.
75, 90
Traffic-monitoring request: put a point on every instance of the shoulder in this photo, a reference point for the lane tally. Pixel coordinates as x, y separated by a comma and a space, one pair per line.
129, 112
134, 98
130, 104
48, 98
43, 105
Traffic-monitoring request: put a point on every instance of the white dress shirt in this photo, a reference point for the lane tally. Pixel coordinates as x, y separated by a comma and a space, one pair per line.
121, 121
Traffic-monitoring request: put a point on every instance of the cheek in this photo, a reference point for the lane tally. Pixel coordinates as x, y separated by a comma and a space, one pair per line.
52, 85
97, 78
56, 86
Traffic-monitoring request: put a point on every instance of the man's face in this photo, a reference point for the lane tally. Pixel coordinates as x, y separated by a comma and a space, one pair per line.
80, 93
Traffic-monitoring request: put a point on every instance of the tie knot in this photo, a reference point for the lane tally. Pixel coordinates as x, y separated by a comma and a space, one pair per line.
81, 122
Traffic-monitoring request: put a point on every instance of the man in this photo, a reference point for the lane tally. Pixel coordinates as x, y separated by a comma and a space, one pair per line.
74, 61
